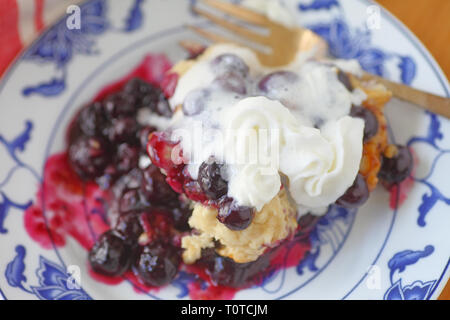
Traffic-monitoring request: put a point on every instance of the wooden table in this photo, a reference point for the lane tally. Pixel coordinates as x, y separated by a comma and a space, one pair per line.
430, 21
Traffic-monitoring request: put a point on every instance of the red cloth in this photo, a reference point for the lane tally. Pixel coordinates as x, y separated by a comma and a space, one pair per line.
21, 21
9, 33
39, 15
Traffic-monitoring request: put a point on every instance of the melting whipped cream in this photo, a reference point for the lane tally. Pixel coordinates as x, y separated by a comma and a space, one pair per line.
321, 165
301, 131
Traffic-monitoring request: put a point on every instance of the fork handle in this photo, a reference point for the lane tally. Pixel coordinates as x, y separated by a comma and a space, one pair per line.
424, 100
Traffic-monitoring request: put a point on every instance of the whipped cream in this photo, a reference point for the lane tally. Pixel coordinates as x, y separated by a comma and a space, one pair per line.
200, 75
253, 130
253, 184
316, 96
321, 165
301, 131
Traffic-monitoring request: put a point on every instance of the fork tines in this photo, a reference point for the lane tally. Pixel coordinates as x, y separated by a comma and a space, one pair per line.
235, 11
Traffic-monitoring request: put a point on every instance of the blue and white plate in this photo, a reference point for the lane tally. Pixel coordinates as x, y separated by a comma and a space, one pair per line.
377, 253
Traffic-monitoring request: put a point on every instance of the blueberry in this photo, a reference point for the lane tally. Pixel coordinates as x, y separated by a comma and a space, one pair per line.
225, 272
157, 264
127, 157
370, 121
397, 168
120, 104
129, 227
92, 119
345, 80
211, 181
109, 176
356, 195
110, 255
155, 187
276, 81
181, 215
306, 223
133, 201
138, 88
130, 180
193, 191
228, 62
123, 130
74, 131
89, 156
143, 135
231, 81
162, 106
235, 217
195, 102
147, 95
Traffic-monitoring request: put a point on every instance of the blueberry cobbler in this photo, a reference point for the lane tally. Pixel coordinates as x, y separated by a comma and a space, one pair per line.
259, 150
222, 168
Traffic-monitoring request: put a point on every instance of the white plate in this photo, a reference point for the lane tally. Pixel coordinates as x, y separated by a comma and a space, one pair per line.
378, 253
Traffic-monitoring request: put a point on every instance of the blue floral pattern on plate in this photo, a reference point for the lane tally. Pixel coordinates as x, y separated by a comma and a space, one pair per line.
417, 290
429, 200
54, 282
59, 44
13, 147
350, 43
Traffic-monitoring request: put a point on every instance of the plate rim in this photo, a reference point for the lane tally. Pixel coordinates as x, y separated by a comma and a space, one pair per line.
399, 25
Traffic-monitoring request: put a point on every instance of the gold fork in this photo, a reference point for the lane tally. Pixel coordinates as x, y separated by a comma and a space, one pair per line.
284, 43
